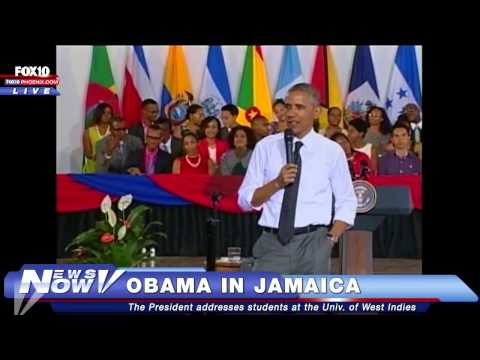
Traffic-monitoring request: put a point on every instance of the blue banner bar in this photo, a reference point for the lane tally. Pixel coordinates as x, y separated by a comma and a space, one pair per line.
29, 91
239, 307
80, 282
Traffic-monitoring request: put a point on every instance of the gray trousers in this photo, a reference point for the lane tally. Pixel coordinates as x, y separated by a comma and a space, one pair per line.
304, 254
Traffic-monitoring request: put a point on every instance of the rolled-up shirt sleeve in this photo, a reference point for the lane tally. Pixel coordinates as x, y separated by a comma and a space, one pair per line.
342, 187
254, 178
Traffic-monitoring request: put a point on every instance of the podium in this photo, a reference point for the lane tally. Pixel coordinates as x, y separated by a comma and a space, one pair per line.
355, 246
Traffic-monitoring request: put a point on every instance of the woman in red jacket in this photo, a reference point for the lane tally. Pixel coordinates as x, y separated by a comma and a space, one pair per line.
358, 162
211, 146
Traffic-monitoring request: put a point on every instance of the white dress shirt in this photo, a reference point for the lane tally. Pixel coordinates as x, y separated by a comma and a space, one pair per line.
324, 172
167, 146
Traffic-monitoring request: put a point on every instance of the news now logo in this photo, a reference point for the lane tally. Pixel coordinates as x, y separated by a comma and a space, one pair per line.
30, 80
66, 282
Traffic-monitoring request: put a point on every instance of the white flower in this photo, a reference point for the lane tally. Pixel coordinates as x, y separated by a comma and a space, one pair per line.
106, 204
122, 232
112, 218
125, 202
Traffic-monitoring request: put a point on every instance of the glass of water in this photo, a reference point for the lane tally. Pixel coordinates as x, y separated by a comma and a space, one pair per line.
234, 253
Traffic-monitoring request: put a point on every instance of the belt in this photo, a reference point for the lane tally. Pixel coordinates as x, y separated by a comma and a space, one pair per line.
297, 231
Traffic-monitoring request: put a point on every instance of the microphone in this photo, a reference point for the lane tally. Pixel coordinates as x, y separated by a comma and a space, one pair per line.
216, 196
288, 135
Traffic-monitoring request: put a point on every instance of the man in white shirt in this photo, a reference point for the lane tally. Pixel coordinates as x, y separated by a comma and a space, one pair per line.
296, 198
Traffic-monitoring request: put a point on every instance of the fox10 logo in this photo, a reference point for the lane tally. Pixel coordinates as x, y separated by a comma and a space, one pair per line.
30, 81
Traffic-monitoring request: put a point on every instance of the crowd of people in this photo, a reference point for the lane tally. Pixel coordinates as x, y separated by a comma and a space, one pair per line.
220, 146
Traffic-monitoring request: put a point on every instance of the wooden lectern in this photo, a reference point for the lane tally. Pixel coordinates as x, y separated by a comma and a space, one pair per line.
355, 246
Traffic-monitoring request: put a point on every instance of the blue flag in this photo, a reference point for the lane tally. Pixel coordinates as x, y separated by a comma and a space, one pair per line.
363, 90
404, 85
215, 91
290, 71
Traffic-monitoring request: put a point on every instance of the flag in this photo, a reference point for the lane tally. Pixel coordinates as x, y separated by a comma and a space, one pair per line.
325, 80
254, 90
404, 85
101, 86
176, 80
363, 90
290, 72
215, 90
137, 85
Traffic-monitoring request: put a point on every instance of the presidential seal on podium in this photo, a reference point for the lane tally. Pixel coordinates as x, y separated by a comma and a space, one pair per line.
366, 196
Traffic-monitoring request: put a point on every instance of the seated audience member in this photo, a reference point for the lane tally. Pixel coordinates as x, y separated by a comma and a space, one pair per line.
280, 111
378, 133
102, 117
260, 127
406, 123
357, 128
400, 161
211, 146
192, 162
411, 115
151, 160
113, 152
235, 161
358, 162
193, 120
149, 114
229, 114
169, 143
334, 120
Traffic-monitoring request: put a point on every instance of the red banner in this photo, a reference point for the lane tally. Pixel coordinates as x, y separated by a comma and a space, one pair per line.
198, 189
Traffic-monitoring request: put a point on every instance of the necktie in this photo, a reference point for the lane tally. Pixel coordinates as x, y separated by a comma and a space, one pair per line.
121, 148
121, 152
151, 165
287, 215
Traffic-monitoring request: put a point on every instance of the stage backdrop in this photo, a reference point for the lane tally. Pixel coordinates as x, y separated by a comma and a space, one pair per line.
73, 66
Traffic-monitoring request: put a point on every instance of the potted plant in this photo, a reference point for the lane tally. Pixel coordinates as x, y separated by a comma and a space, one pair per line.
118, 239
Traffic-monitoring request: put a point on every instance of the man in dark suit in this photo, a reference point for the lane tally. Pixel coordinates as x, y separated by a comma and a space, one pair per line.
114, 151
148, 115
169, 143
151, 160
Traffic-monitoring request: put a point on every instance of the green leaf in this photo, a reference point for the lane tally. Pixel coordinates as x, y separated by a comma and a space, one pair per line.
121, 255
159, 234
152, 223
84, 238
135, 214
95, 253
102, 225
133, 249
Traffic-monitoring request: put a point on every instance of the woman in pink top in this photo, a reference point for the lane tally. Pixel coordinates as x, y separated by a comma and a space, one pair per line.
211, 146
